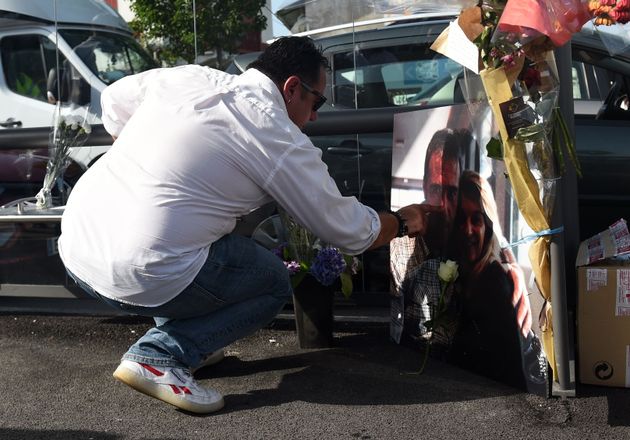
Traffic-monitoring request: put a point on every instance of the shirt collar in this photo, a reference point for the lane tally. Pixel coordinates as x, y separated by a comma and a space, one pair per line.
253, 76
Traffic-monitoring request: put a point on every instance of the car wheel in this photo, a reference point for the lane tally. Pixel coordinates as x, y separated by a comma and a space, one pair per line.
270, 233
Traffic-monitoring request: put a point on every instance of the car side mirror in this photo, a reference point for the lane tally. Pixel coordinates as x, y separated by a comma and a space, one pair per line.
616, 106
52, 90
67, 85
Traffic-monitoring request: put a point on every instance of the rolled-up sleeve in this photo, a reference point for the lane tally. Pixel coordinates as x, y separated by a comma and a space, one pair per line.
120, 100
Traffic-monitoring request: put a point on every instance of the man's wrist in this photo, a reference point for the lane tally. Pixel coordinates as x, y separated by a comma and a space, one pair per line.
402, 224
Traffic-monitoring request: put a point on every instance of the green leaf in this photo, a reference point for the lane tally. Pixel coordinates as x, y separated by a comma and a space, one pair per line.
495, 149
532, 133
346, 284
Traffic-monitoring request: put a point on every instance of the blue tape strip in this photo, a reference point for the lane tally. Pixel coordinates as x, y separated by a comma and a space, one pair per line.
532, 237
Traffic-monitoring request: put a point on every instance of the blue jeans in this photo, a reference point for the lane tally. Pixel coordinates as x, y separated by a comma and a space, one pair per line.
240, 288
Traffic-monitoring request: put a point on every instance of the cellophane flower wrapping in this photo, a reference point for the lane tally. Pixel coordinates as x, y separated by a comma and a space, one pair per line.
70, 129
526, 20
540, 87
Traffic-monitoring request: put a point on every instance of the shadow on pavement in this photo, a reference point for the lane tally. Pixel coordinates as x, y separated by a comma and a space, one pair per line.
618, 402
361, 369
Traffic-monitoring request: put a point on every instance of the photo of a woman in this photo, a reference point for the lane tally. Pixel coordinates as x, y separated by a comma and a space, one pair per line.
493, 335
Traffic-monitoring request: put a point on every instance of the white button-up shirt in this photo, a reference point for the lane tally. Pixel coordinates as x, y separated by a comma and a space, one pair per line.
196, 149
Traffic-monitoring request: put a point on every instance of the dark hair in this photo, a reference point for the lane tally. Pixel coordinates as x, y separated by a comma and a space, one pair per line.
289, 56
450, 143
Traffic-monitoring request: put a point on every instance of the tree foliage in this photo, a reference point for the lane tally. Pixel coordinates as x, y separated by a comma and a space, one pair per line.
221, 24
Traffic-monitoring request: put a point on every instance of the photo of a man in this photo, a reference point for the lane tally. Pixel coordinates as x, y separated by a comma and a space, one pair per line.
486, 322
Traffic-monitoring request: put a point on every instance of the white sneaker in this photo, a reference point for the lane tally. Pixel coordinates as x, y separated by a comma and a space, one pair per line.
210, 359
171, 385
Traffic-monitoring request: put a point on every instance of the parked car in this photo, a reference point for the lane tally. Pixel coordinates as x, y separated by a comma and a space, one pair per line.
47, 55
378, 72
68, 54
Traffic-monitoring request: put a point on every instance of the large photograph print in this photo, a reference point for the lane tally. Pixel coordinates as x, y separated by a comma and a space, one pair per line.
485, 320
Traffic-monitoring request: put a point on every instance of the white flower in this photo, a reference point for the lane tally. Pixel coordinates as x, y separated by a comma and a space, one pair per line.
448, 271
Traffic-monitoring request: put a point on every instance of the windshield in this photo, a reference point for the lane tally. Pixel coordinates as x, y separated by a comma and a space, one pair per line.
109, 56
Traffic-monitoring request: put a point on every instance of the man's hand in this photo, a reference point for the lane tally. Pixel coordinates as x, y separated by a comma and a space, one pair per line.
418, 216
415, 216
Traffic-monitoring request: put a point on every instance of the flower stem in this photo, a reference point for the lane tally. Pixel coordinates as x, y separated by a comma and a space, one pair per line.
425, 358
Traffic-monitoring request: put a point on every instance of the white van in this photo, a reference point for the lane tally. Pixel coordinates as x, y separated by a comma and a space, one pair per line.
95, 47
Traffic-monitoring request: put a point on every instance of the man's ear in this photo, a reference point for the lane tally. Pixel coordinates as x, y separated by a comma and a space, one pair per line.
290, 88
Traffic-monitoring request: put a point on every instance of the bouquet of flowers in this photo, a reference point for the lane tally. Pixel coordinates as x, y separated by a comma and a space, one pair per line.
515, 41
305, 254
68, 131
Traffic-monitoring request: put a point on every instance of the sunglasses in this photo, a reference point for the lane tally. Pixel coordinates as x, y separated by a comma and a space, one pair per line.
321, 99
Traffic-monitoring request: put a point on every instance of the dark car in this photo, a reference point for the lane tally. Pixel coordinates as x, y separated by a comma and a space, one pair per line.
378, 72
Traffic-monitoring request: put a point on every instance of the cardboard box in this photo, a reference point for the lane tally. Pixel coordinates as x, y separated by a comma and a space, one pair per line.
603, 314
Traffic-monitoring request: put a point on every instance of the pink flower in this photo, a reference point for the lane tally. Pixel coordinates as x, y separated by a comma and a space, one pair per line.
508, 60
531, 77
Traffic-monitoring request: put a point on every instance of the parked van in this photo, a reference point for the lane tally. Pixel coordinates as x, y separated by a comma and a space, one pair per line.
63, 50
69, 54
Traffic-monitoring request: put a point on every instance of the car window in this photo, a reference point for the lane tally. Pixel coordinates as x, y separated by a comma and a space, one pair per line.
601, 90
109, 56
409, 74
590, 82
26, 61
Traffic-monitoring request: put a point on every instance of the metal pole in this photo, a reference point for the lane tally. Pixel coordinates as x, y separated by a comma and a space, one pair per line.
563, 247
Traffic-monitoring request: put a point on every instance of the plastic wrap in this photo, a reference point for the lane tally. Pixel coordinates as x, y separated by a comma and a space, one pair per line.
530, 19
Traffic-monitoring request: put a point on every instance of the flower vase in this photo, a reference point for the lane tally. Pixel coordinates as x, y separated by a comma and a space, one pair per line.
313, 306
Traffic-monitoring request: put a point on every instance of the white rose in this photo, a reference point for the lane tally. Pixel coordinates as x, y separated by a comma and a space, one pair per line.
448, 271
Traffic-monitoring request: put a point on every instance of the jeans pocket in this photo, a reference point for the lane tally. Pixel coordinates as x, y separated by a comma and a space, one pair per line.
199, 298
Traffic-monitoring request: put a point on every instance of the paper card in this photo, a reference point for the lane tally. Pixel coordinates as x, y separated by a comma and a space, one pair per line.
596, 278
595, 249
516, 114
623, 292
453, 43
621, 236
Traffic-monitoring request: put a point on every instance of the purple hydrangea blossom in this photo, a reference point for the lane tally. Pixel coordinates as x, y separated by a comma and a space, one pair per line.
327, 265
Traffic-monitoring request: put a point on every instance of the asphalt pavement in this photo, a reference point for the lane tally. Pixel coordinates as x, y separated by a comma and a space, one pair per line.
56, 383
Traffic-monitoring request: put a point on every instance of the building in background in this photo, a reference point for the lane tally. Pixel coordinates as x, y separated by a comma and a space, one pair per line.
309, 15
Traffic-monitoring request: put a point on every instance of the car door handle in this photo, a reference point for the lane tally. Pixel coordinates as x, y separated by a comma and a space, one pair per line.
10, 123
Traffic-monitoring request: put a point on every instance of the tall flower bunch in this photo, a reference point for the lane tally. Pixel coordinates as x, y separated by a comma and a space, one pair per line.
68, 131
515, 41
521, 45
305, 254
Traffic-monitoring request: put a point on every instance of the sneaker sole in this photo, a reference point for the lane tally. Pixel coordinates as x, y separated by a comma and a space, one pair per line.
152, 389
